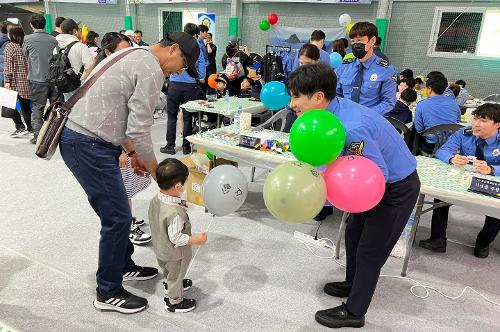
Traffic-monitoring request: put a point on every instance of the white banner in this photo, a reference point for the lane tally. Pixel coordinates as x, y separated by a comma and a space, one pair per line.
102, 2
356, 2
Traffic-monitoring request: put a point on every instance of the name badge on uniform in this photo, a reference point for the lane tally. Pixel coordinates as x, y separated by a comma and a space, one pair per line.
374, 77
496, 152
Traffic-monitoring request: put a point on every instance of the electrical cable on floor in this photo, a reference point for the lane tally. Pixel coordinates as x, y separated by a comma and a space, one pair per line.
412, 289
199, 247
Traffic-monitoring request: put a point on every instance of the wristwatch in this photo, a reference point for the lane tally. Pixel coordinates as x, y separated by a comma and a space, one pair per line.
492, 172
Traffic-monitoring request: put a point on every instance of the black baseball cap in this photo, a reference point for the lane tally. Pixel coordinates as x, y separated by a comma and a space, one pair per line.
189, 47
68, 25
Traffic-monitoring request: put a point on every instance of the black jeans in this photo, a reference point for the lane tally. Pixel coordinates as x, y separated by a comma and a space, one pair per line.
40, 93
94, 163
178, 94
370, 237
26, 113
439, 224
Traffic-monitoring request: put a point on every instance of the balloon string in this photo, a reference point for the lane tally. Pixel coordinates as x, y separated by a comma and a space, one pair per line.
199, 247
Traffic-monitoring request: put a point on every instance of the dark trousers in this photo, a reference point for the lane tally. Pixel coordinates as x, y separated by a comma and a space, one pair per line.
178, 94
439, 224
94, 163
40, 93
25, 112
370, 237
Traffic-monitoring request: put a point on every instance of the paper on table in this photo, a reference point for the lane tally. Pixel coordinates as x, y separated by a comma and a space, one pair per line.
8, 98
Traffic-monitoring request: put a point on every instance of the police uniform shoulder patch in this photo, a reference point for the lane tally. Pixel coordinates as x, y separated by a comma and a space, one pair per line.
496, 153
447, 94
356, 148
468, 131
347, 61
383, 63
395, 78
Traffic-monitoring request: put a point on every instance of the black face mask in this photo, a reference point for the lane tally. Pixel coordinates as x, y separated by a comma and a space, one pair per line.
358, 50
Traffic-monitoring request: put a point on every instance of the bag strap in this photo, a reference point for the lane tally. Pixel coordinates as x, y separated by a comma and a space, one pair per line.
86, 86
70, 45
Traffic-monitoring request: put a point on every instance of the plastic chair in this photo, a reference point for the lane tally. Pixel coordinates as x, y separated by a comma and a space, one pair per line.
402, 129
441, 133
493, 97
276, 122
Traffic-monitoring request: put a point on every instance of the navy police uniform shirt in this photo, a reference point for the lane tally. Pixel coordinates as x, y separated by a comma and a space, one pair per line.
378, 86
435, 111
464, 143
370, 135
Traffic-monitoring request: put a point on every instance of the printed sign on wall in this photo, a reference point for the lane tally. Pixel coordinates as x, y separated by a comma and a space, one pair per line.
207, 19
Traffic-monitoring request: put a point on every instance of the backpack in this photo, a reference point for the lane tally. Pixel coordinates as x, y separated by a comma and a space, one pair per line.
234, 68
61, 74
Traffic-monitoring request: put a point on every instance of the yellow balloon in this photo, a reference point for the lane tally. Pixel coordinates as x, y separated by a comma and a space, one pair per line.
85, 32
294, 192
349, 27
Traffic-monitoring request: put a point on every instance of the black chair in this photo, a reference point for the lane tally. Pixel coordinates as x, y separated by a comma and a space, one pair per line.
494, 98
402, 129
441, 133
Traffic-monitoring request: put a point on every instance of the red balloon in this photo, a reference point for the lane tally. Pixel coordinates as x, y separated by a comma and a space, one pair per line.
211, 81
354, 184
272, 18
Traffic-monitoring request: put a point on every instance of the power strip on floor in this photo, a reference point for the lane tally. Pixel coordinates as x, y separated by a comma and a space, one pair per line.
309, 239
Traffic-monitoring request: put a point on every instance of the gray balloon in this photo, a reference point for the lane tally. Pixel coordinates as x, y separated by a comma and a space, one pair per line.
224, 190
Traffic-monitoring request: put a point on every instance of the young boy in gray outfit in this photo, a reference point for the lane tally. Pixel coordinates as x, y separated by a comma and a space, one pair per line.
171, 233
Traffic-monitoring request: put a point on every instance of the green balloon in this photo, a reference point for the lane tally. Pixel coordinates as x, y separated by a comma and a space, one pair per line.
317, 137
294, 192
210, 155
264, 25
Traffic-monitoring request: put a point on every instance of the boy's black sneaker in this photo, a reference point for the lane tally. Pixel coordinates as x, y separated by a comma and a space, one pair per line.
140, 273
338, 289
167, 149
185, 306
137, 222
123, 302
186, 283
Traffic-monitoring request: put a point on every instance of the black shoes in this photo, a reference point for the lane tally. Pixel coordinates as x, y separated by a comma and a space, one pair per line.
339, 317
481, 252
140, 273
186, 150
338, 289
168, 149
436, 245
325, 212
186, 284
185, 306
123, 302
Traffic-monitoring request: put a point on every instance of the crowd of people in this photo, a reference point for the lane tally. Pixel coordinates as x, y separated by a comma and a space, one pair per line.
109, 148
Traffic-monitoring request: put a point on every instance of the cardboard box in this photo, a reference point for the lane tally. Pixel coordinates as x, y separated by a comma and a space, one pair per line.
195, 180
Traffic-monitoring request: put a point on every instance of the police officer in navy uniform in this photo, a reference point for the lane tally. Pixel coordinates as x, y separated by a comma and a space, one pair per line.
370, 236
367, 79
447, 92
480, 143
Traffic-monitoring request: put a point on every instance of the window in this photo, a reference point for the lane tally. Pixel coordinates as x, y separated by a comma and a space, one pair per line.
465, 32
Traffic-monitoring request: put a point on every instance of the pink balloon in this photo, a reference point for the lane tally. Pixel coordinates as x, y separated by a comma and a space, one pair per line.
354, 184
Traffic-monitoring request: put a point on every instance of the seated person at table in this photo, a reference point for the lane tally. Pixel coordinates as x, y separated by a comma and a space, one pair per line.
371, 235
255, 80
482, 141
447, 92
419, 88
464, 95
246, 87
455, 88
404, 84
401, 110
308, 54
221, 87
435, 110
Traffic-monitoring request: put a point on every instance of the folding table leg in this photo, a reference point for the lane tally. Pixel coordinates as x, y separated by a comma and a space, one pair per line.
343, 224
409, 243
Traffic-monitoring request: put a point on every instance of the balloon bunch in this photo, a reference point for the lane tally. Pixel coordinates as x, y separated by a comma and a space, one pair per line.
345, 21
272, 19
295, 192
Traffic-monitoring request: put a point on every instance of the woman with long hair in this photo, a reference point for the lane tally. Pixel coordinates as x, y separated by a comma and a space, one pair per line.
113, 42
16, 79
339, 47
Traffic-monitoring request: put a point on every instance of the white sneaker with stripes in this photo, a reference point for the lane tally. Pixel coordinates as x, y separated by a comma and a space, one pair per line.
140, 273
123, 302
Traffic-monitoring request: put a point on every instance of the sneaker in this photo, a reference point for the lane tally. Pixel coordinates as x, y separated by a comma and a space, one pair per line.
137, 222
156, 115
33, 140
339, 317
138, 236
185, 306
338, 289
167, 149
19, 133
186, 283
123, 302
436, 245
31, 133
186, 150
481, 252
140, 273
325, 212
